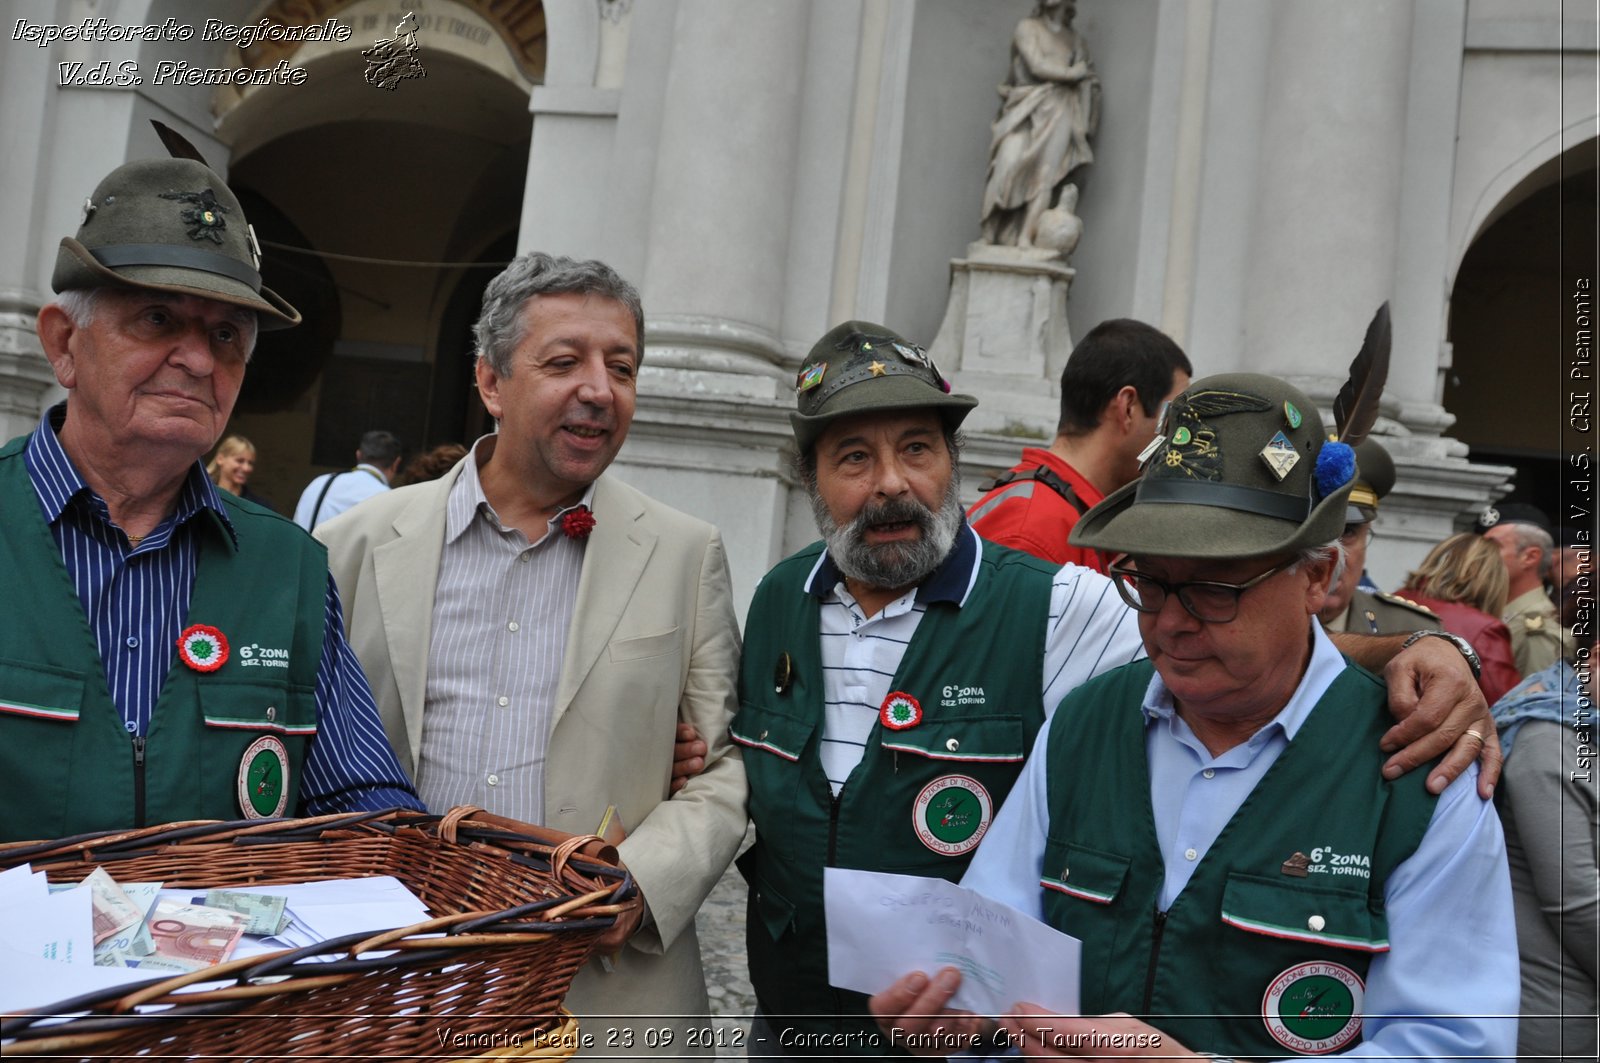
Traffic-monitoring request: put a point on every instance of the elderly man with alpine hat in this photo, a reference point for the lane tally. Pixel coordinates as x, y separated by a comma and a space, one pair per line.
895, 673
173, 652
1213, 823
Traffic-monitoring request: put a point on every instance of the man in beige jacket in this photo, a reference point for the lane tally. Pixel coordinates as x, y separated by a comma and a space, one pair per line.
535, 630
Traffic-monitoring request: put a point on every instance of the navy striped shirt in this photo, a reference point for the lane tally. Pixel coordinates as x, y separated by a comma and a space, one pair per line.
136, 600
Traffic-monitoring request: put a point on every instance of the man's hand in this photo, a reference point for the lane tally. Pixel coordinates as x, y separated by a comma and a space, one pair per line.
913, 1013
688, 756
1438, 703
612, 940
1038, 1033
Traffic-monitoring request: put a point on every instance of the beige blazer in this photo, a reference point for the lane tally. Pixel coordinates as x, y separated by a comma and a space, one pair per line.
654, 640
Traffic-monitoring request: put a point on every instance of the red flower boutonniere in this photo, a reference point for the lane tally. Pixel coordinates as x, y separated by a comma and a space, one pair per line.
578, 523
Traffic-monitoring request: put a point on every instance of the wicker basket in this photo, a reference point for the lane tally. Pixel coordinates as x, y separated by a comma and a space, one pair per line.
520, 907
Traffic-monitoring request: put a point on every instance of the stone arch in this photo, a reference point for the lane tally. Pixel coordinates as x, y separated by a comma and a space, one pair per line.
431, 172
1512, 318
1533, 169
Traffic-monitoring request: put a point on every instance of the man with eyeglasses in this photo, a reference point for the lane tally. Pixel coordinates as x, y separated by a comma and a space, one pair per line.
1350, 606
895, 674
1213, 823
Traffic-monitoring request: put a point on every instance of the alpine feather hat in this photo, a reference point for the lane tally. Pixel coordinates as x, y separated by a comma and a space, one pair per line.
1242, 468
170, 225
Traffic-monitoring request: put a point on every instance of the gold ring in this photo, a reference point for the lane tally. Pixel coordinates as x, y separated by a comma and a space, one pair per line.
1472, 732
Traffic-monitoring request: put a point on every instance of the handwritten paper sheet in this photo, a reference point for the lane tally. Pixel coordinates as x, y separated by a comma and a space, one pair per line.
883, 926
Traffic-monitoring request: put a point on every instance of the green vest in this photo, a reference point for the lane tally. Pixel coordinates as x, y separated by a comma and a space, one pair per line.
1265, 952
920, 798
218, 741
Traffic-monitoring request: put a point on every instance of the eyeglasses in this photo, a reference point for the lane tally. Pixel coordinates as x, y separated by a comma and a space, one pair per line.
1206, 600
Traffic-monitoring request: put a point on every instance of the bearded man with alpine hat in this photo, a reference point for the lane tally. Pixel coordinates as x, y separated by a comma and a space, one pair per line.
174, 652
895, 673
1213, 822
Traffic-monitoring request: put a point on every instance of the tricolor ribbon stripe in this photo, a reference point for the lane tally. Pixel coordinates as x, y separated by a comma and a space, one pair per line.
41, 712
259, 725
1286, 933
768, 746
974, 758
1077, 891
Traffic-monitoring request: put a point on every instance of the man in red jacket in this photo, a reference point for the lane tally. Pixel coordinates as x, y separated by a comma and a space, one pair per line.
1112, 391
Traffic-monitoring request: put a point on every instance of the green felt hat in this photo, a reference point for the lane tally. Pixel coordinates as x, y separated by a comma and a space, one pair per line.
1242, 469
859, 367
174, 226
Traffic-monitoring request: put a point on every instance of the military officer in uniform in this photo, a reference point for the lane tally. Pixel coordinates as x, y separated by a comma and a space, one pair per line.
1522, 533
1349, 607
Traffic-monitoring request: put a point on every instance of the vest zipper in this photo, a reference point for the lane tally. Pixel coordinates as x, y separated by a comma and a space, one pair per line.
833, 830
1155, 953
833, 846
138, 780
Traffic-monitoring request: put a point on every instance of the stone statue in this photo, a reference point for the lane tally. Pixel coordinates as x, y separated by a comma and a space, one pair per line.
1049, 109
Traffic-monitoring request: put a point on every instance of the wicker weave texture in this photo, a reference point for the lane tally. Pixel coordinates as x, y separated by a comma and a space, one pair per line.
521, 906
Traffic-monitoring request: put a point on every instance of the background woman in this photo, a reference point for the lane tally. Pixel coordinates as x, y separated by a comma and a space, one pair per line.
230, 468
1464, 581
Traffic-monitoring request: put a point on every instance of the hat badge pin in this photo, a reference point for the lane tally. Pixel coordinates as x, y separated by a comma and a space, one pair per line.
1280, 455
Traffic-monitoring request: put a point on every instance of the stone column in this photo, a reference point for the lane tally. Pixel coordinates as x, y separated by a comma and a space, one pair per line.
1348, 88
720, 208
26, 79
711, 435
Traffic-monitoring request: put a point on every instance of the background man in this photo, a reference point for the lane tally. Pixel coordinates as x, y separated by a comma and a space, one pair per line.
1112, 390
1227, 783
377, 460
541, 628
1350, 607
126, 694
1522, 533
895, 673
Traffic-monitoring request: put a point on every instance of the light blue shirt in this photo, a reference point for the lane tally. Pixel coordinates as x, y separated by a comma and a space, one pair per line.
348, 488
1448, 987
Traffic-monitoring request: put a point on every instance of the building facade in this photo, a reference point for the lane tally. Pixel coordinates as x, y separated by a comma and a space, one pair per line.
1266, 173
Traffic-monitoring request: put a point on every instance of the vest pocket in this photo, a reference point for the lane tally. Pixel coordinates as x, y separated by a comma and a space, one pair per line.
1081, 889
39, 692
40, 745
271, 708
978, 740
772, 909
759, 728
1081, 872
1292, 911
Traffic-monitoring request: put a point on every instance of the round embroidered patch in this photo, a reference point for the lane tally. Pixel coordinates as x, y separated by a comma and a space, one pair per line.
951, 814
1314, 1007
900, 711
203, 648
264, 778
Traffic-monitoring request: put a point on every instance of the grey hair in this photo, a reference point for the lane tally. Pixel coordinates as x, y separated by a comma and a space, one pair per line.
79, 304
1316, 555
498, 329
1533, 535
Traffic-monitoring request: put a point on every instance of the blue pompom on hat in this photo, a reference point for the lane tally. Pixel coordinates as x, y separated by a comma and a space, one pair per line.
1336, 465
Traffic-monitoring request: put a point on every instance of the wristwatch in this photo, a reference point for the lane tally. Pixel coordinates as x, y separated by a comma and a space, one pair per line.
1455, 640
